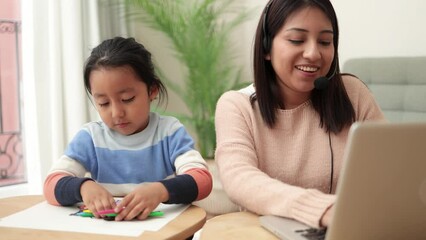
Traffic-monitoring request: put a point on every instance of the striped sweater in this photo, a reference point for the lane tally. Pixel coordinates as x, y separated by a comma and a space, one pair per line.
163, 152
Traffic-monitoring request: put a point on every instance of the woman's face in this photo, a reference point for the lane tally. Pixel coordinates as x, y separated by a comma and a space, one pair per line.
301, 52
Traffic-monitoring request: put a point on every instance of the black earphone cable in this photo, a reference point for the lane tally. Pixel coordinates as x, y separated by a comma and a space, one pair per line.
331, 163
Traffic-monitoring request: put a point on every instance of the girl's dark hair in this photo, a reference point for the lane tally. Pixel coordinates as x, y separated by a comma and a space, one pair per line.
332, 104
119, 52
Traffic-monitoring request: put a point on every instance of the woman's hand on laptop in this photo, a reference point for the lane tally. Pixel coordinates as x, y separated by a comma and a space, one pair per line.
327, 217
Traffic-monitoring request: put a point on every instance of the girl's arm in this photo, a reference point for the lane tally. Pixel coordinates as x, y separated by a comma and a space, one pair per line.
62, 185
193, 181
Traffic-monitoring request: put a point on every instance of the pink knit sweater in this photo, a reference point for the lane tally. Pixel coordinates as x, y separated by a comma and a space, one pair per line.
282, 171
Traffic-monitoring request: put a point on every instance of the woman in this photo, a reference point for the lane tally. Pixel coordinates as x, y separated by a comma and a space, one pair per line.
280, 142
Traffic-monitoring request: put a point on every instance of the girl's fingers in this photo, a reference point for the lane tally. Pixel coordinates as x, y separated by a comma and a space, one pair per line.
122, 209
113, 203
121, 205
144, 214
98, 206
102, 204
134, 210
105, 204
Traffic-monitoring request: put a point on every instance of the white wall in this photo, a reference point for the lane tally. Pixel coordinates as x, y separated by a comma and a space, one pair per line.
376, 28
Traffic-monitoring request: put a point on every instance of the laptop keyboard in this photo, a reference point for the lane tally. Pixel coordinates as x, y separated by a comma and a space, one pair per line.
313, 233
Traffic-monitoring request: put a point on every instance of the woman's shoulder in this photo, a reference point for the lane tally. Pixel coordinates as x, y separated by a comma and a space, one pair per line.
353, 82
235, 106
358, 91
248, 90
241, 96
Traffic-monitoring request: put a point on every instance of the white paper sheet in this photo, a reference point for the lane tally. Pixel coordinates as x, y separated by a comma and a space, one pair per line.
48, 217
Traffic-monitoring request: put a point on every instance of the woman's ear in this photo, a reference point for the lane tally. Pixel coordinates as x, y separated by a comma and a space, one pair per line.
153, 93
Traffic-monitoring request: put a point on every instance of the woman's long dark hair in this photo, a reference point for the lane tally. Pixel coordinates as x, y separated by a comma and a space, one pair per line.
332, 104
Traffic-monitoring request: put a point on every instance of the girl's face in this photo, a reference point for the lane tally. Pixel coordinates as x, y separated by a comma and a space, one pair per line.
301, 52
122, 99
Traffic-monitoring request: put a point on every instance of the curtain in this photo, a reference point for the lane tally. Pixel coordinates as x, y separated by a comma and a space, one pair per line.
58, 36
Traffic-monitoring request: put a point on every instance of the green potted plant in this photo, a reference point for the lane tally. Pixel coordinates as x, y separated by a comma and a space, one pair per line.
200, 39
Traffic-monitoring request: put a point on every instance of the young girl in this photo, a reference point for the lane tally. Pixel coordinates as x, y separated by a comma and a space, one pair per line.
147, 158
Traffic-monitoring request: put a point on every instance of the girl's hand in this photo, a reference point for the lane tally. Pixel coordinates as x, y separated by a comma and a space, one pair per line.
141, 201
96, 198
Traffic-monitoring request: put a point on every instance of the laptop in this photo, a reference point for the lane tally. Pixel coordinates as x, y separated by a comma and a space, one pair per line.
381, 193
